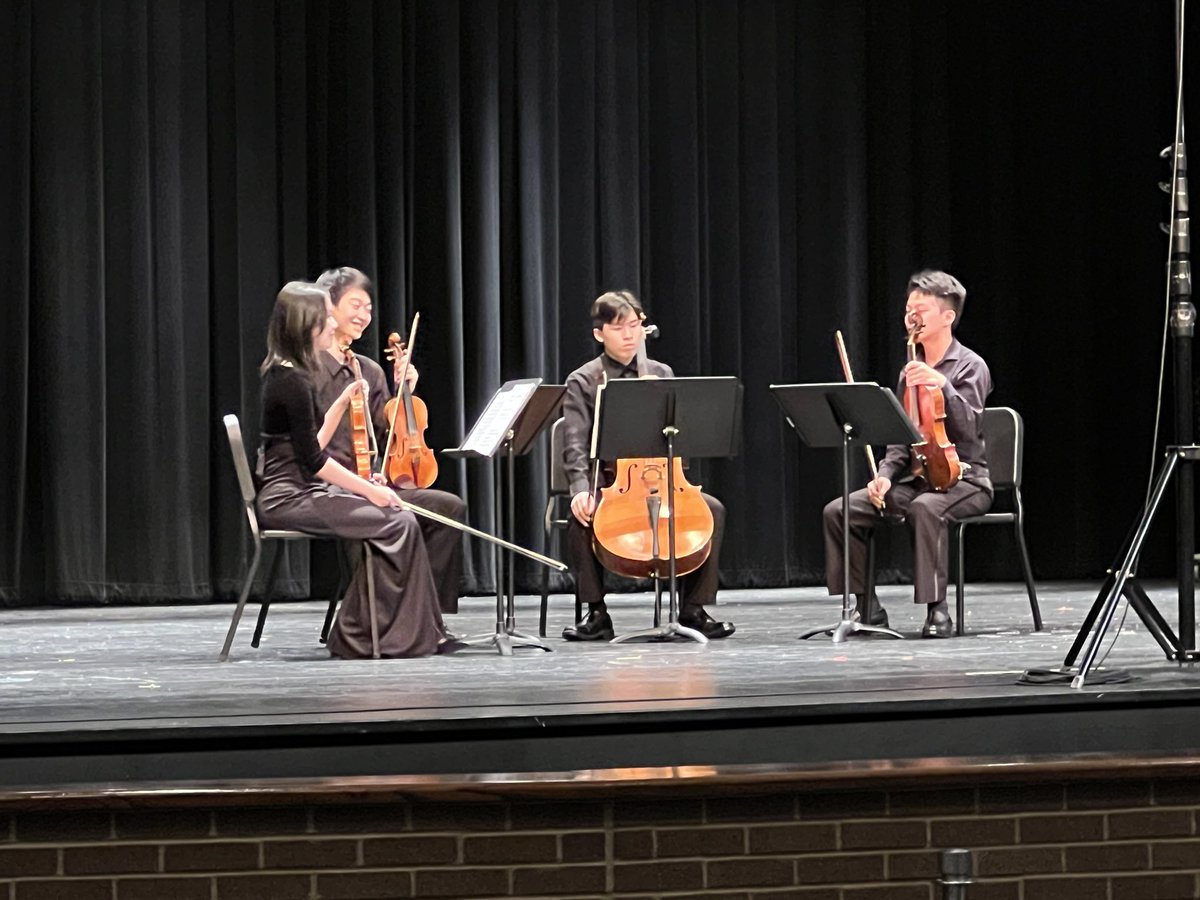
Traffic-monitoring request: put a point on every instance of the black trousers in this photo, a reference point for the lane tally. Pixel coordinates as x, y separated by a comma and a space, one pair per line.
698, 588
928, 514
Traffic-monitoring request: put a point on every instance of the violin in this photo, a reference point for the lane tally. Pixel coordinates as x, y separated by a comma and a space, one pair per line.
361, 433
630, 528
407, 462
934, 458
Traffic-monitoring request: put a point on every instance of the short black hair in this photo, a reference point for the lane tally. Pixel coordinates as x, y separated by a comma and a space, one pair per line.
614, 305
338, 281
942, 285
299, 308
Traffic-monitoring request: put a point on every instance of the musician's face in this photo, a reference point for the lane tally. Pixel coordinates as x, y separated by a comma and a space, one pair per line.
323, 335
935, 317
621, 337
353, 313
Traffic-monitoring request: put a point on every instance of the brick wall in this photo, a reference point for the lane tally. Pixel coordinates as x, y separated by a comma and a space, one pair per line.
1112, 839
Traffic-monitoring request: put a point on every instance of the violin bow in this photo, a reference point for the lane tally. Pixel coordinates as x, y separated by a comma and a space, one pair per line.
845, 358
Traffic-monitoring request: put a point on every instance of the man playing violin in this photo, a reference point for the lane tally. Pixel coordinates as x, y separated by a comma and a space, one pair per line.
932, 310
617, 325
350, 290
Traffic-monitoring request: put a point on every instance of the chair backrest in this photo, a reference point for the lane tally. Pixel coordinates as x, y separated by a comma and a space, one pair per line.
558, 475
1004, 434
241, 466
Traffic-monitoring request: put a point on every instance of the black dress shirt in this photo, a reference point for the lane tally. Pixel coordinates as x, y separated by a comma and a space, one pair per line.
579, 410
331, 378
968, 383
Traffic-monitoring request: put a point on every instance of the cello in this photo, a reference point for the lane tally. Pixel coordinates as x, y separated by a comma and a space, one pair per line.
407, 461
934, 458
631, 524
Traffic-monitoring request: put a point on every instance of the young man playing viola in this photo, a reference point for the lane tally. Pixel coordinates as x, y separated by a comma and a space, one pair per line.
933, 303
350, 291
617, 325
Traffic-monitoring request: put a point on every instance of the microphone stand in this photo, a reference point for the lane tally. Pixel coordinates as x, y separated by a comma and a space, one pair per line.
1182, 321
1182, 324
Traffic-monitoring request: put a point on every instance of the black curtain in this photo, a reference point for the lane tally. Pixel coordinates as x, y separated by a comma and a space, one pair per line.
762, 173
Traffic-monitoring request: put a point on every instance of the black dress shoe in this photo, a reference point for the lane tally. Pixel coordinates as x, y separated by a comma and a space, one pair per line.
879, 618
701, 621
937, 624
450, 645
596, 627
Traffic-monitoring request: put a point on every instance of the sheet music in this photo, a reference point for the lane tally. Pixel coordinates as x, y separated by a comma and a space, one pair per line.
494, 424
596, 415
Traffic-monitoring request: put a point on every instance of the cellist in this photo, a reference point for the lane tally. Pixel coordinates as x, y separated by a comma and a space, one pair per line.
350, 291
617, 319
933, 307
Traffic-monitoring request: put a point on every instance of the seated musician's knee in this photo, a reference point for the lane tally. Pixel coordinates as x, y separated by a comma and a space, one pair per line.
926, 507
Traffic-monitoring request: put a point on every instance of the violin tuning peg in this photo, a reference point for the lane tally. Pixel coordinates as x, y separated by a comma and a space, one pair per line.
1164, 228
1165, 187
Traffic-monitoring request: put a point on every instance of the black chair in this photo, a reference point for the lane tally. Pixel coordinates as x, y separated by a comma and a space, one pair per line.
1004, 435
261, 537
553, 519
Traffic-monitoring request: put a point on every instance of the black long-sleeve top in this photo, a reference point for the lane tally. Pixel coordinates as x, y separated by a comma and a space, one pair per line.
968, 383
290, 413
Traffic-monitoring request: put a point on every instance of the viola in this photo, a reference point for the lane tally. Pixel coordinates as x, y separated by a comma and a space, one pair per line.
630, 527
408, 462
934, 458
360, 425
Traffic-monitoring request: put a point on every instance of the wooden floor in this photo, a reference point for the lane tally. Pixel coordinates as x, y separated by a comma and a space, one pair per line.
91, 689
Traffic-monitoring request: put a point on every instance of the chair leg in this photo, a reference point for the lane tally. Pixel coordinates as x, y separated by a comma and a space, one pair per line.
344, 577
869, 584
958, 542
372, 612
1028, 570
547, 540
241, 604
272, 572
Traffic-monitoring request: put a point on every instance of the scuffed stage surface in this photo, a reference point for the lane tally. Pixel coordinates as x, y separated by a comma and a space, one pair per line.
137, 696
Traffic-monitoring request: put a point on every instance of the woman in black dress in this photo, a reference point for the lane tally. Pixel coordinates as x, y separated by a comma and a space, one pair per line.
303, 488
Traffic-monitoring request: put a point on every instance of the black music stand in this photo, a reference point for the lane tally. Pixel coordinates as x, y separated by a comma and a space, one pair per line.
506, 429
667, 417
833, 415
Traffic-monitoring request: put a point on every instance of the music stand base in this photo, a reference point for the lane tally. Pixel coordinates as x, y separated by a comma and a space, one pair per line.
847, 627
506, 641
663, 633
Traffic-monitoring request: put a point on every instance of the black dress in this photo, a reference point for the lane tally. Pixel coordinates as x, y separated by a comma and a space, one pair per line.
291, 496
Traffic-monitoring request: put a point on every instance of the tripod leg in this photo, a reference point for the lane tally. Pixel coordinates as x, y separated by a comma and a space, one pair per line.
1124, 571
1152, 618
1089, 620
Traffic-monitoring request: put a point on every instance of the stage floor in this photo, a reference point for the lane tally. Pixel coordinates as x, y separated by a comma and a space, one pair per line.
136, 694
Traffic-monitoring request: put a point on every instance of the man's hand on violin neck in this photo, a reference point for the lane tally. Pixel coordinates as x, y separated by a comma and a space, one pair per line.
919, 374
583, 505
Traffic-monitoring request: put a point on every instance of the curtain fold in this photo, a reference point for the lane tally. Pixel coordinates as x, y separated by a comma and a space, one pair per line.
761, 172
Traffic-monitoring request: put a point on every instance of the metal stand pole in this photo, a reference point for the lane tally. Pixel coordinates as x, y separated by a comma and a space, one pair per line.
847, 626
672, 628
